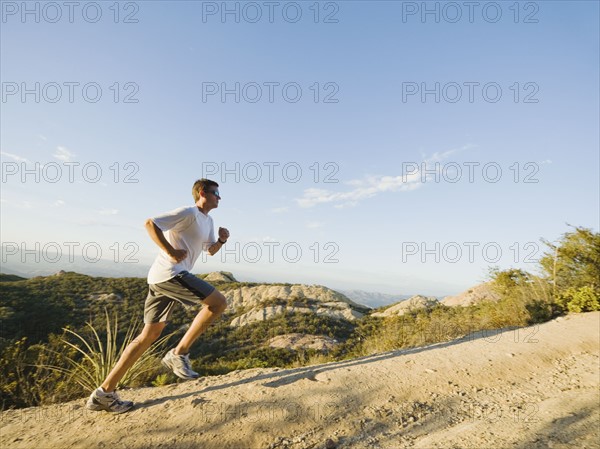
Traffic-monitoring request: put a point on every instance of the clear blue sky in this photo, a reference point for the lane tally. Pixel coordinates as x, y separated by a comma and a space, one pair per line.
374, 228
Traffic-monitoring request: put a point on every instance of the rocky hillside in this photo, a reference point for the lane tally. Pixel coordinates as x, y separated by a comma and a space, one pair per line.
473, 295
414, 303
252, 296
262, 302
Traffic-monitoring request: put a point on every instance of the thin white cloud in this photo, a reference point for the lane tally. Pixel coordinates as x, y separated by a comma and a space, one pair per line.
17, 204
345, 205
94, 222
314, 224
108, 211
15, 157
414, 176
63, 154
279, 210
59, 203
44, 138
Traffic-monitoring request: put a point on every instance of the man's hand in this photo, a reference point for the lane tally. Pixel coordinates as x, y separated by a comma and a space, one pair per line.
158, 237
223, 234
178, 255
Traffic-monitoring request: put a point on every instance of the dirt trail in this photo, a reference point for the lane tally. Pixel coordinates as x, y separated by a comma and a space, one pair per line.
534, 387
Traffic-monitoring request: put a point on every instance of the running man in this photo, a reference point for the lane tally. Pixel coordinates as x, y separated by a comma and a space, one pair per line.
182, 235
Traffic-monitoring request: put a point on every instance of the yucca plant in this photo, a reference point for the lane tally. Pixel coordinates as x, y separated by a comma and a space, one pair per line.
99, 357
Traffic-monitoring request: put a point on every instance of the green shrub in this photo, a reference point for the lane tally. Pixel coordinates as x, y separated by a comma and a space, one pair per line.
162, 379
574, 261
26, 382
582, 299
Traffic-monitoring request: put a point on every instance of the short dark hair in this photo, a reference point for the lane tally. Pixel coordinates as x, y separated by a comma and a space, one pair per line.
202, 184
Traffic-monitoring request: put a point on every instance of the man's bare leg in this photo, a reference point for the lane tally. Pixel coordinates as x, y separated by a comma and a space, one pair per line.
132, 353
214, 305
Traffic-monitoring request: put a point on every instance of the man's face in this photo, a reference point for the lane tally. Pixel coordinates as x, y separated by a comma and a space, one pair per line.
212, 196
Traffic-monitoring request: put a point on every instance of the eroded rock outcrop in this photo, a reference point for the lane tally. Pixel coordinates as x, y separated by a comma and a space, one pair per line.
303, 341
414, 303
478, 293
266, 301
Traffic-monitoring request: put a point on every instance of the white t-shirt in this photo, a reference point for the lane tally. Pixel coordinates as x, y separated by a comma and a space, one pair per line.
184, 228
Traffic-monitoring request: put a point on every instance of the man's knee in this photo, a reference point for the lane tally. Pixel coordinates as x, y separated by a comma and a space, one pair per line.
151, 332
216, 302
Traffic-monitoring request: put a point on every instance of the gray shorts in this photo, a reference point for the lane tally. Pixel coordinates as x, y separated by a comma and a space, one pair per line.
185, 288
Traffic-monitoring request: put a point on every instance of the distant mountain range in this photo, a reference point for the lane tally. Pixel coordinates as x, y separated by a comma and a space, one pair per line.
45, 266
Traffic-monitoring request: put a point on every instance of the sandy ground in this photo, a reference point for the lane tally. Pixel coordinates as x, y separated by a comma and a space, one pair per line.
533, 387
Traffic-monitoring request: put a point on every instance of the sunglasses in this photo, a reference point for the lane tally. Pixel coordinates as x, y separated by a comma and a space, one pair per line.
214, 192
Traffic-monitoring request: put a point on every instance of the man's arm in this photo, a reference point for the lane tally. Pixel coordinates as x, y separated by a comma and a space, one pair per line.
158, 237
223, 236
